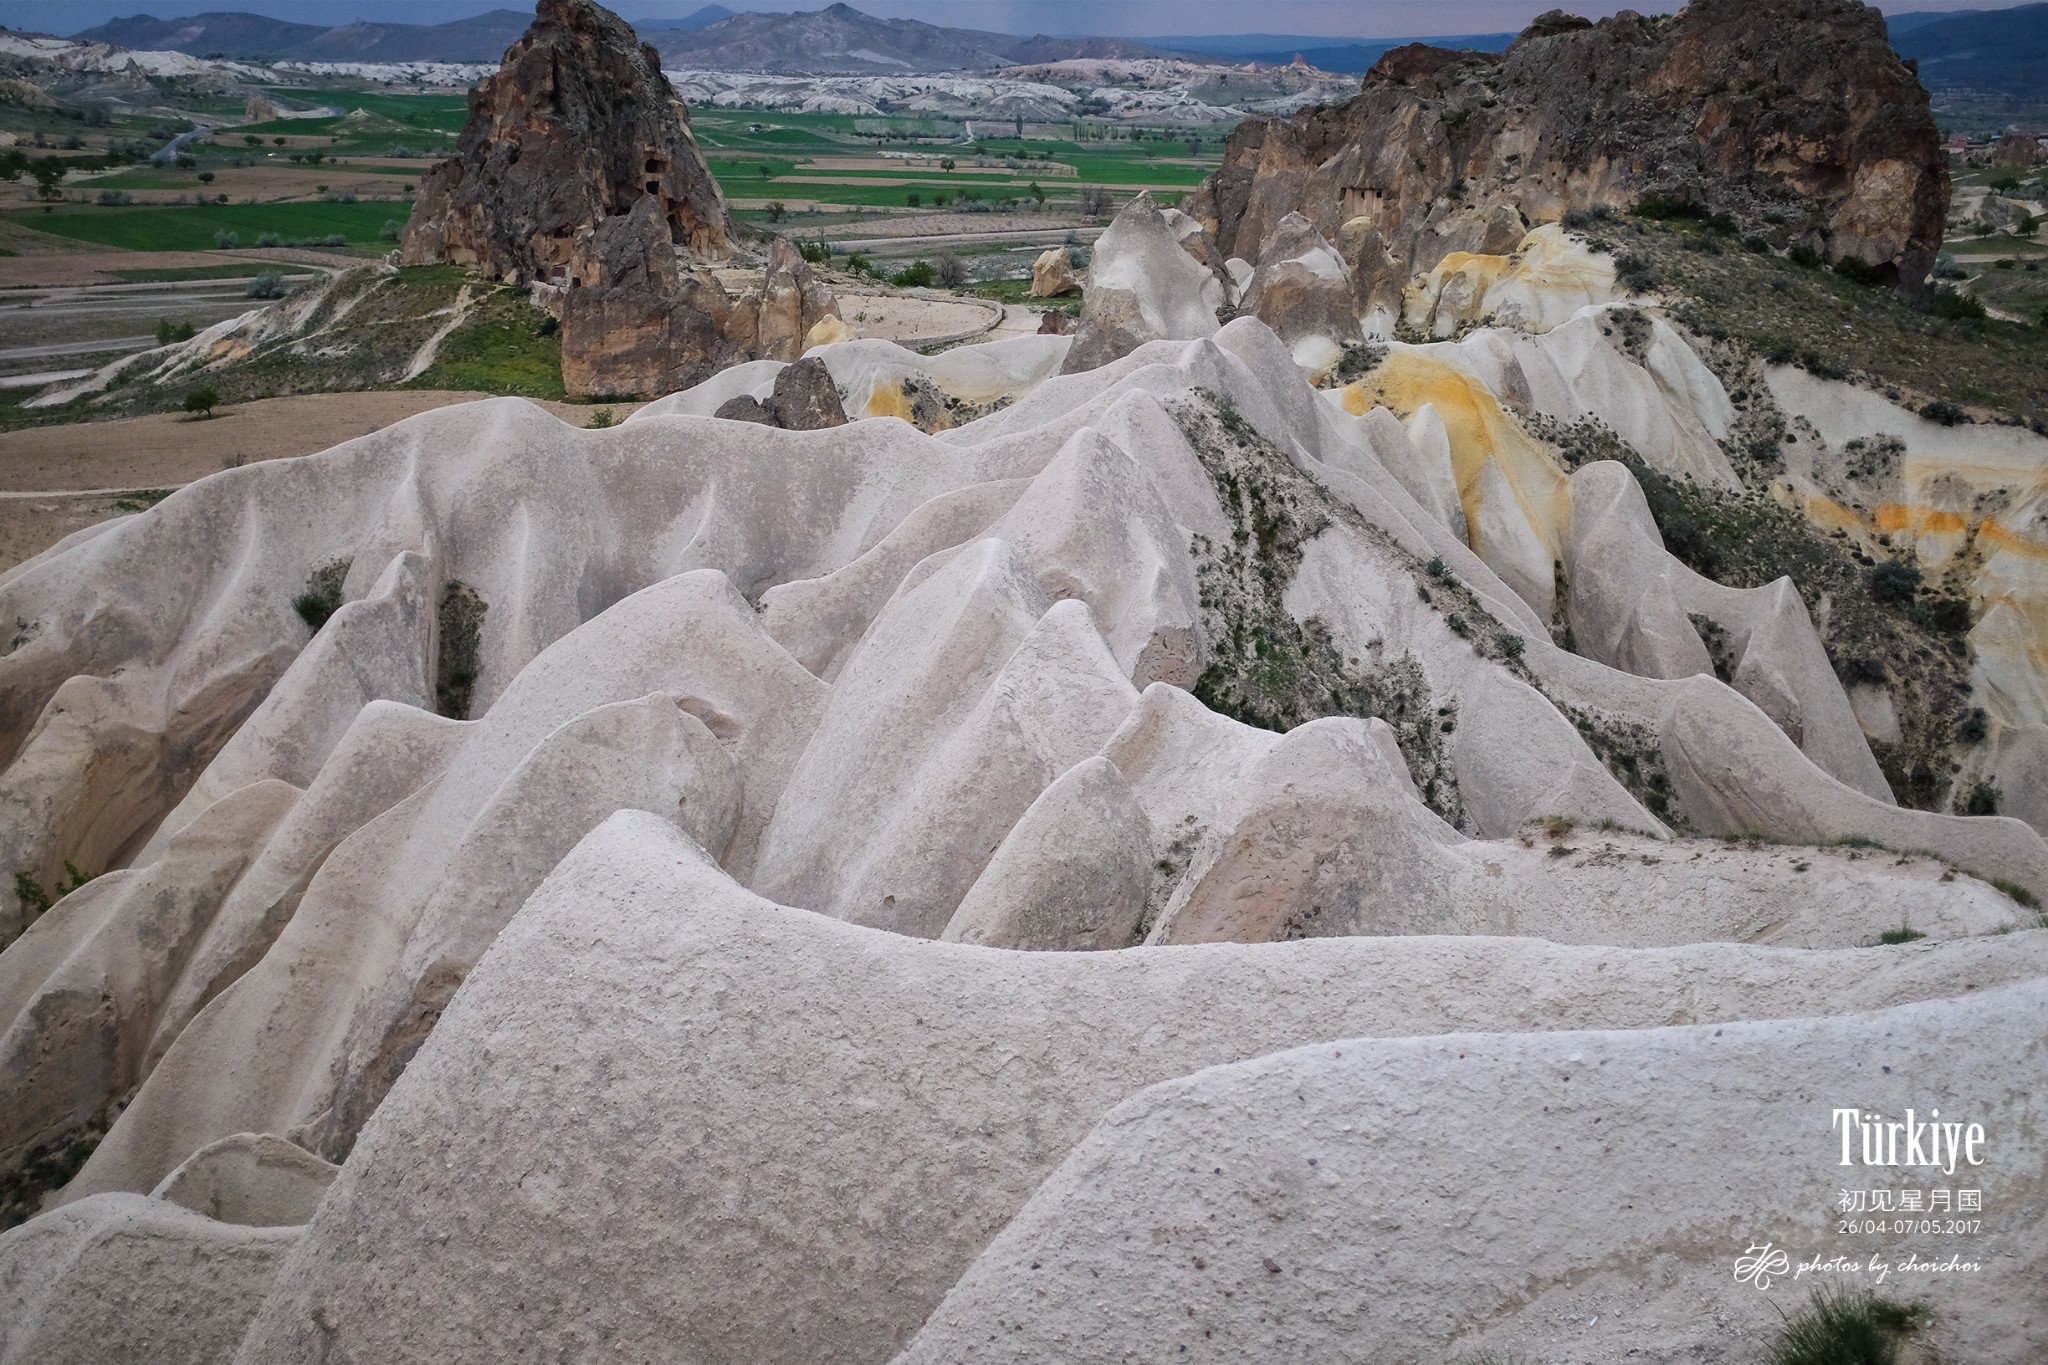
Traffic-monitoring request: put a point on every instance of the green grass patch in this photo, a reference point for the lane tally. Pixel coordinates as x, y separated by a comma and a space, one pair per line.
2004, 244
1018, 291
1902, 934
194, 227
241, 271
505, 348
1847, 1327
2018, 893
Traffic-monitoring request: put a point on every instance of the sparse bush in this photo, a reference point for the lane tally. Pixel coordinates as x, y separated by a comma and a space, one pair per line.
1903, 934
270, 239
913, 199
1665, 207
1633, 273
601, 419
200, 401
391, 230
116, 198
334, 239
1093, 200
950, 270
1947, 303
168, 331
817, 253
322, 597
1944, 412
226, 240
1847, 1327
1803, 255
1982, 798
1862, 272
1895, 582
35, 901
268, 285
777, 211
917, 275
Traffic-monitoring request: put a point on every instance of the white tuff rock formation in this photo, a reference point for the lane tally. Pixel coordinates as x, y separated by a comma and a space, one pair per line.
1119, 861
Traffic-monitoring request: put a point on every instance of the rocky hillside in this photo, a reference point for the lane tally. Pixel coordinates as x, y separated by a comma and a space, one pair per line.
1792, 117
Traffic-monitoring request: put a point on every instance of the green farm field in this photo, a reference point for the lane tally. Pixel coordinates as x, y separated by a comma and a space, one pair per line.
195, 227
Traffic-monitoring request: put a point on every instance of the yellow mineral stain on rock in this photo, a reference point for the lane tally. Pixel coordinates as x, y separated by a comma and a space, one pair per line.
890, 400
1481, 432
1548, 277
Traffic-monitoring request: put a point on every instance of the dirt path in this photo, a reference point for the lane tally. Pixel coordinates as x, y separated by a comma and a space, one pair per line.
55, 480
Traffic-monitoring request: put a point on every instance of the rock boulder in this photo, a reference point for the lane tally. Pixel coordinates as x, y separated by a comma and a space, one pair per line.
1052, 275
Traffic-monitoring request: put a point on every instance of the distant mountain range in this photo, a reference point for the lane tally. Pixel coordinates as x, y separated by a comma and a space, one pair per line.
702, 18
842, 40
2001, 50
836, 40
1329, 54
253, 37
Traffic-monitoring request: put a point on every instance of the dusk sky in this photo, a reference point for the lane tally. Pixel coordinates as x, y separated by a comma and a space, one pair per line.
1334, 18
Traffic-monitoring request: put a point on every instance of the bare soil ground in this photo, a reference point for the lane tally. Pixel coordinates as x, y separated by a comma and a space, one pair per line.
49, 262
166, 450
914, 319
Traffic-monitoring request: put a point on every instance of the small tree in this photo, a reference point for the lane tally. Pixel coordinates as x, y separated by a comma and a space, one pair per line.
391, 229
766, 172
200, 401
277, 142
946, 164
226, 240
49, 174
206, 177
1036, 191
777, 211
250, 139
949, 270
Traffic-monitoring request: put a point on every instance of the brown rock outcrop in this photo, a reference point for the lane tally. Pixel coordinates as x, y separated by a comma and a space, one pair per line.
1794, 117
643, 324
2018, 151
577, 126
805, 399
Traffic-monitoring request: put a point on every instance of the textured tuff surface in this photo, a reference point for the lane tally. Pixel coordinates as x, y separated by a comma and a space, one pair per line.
1793, 116
1203, 845
577, 125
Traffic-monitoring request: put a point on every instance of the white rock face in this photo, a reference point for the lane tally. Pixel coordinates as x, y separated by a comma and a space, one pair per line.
736, 894
1143, 285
